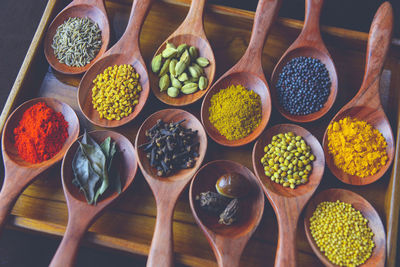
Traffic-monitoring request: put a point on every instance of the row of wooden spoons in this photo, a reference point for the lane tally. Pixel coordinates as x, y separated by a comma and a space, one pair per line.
227, 242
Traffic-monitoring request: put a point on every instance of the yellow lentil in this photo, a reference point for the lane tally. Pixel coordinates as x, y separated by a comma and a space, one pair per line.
235, 112
116, 92
357, 147
342, 233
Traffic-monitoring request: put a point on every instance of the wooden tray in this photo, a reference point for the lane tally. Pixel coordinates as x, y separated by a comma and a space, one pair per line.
129, 225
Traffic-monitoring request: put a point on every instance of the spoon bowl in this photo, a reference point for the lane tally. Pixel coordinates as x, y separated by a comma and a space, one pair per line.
82, 214
125, 51
19, 173
166, 190
366, 105
367, 210
190, 32
308, 44
248, 72
227, 242
288, 203
94, 10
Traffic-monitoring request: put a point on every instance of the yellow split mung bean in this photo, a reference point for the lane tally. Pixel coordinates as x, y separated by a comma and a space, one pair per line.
288, 160
342, 233
116, 92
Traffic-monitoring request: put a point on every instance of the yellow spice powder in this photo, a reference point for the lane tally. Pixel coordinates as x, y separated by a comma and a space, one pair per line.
357, 147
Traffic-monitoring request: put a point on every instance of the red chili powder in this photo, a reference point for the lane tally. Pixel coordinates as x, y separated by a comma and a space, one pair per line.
40, 133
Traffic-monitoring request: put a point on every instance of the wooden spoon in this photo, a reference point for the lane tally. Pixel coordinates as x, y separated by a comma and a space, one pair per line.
166, 190
82, 214
308, 44
288, 203
190, 32
125, 51
367, 210
19, 173
247, 72
227, 242
93, 9
366, 105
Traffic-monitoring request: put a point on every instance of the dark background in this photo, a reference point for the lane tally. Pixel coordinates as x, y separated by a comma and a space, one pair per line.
18, 22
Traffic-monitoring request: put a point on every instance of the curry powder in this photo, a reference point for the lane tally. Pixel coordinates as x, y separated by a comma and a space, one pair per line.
357, 147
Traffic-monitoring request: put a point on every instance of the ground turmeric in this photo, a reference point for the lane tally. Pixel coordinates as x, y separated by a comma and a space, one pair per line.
357, 147
235, 112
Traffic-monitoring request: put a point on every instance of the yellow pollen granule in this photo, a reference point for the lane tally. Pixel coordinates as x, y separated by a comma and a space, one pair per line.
357, 147
235, 112
116, 92
342, 233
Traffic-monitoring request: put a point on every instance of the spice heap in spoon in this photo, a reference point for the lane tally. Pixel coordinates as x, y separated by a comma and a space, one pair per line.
303, 86
357, 147
288, 160
230, 187
235, 112
77, 42
180, 70
40, 133
116, 92
171, 147
342, 233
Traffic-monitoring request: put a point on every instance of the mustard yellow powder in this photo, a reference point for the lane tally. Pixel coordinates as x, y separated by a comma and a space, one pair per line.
235, 112
357, 147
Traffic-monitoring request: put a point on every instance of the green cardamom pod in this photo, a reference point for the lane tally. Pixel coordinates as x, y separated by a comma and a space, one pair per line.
193, 52
173, 92
183, 77
176, 83
194, 80
170, 45
156, 63
169, 52
172, 67
179, 68
198, 68
202, 61
181, 48
189, 88
193, 72
185, 58
164, 68
164, 82
203, 83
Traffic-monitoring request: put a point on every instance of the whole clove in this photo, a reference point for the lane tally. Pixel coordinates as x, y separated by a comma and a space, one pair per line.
171, 147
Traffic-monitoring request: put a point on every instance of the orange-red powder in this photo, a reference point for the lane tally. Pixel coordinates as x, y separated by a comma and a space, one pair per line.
40, 133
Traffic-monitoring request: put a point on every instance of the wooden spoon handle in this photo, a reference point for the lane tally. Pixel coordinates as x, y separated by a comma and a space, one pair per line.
130, 39
193, 22
311, 32
97, 3
66, 253
380, 36
286, 249
228, 252
8, 196
266, 13
161, 251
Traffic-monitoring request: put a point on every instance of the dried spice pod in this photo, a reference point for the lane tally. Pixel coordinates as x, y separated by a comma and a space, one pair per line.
230, 214
232, 185
213, 202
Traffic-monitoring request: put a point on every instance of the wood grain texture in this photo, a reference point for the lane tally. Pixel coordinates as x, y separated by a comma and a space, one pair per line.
288, 203
366, 105
19, 173
378, 256
166, 190
227, 242
191, 32
248, 71
129, 225
81, 214
308, 44
93, 9
125, 51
